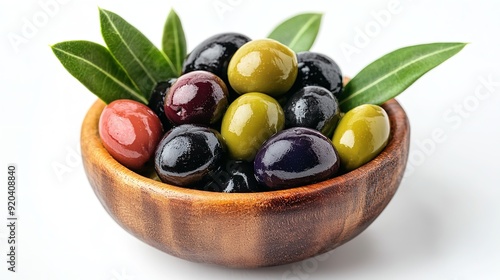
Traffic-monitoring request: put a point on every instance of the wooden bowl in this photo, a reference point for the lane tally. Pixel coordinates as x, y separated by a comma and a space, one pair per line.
252, 229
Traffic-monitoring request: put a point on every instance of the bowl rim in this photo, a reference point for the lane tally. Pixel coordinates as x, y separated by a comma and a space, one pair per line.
399, 127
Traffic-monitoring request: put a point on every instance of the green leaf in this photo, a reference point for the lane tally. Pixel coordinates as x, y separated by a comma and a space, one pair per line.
174, 41
145, 64
298, 32
94, 66
391, 74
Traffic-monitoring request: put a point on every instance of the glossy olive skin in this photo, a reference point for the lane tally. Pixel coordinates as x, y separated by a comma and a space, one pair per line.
316, 69
265, 66
313, 107
157, 101
198, 97
187, 153
248, 122
295, 157
213, 54
235, 176
361, 135
130, 132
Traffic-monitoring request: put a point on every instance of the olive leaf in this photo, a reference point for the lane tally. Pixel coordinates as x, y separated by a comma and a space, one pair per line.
145, 64
298, 32
174, 41
391, 74
94, 66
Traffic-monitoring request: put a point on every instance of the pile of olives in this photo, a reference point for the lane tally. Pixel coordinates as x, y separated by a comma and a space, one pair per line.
245, 116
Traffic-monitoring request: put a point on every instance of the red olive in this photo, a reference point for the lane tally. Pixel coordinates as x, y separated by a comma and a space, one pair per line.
130, 132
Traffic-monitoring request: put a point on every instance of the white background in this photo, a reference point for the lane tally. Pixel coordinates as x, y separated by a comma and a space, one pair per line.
443, 223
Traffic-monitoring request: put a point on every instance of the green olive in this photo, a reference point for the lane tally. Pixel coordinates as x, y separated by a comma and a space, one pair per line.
265, 66
248, 122
361, 135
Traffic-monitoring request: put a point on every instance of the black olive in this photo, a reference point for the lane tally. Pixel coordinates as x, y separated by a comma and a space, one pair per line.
157, 101
187, 154
313, 107
235, 176
214, 53
316, 69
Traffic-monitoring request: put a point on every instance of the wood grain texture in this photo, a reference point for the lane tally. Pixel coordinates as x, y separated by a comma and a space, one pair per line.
246, 230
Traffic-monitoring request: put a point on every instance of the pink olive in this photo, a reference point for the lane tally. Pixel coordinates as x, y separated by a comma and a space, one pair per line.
130, 132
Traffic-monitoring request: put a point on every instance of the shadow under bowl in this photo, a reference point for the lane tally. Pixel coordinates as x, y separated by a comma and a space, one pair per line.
250, 229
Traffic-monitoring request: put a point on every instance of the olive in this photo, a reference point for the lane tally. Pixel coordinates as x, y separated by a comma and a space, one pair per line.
157, 101
235, 176
130, 132
187, 154
361, 135
295, 157
265, 66
213, 54
198, 97
314, 107
248, 122
316, 69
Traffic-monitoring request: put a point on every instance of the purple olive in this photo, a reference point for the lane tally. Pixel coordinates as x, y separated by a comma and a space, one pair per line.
198, 97
295, 157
